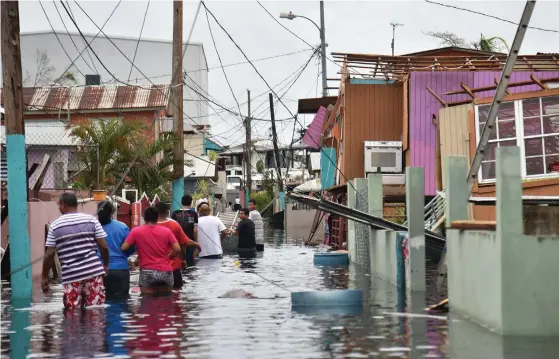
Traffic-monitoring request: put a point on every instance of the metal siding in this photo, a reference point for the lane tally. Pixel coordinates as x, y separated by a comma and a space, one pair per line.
487, 78
423, 105
454, 134
372, 113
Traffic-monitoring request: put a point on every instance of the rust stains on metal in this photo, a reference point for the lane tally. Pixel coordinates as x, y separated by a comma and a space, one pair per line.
81, 98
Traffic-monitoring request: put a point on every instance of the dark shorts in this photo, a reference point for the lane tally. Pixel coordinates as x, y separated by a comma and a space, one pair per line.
246, 252
260, 247
177, 279
117, 283
153, 278
237, 207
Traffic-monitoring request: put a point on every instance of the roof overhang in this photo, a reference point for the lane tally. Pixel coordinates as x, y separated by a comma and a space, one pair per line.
311, 105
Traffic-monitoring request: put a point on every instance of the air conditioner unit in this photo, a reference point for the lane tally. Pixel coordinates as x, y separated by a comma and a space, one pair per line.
383, 155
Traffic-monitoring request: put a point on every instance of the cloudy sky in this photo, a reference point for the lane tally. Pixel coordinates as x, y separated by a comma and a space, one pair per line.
351, 26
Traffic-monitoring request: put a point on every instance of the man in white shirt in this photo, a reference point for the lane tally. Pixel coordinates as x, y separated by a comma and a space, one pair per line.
258, 225
237, 206
211, 231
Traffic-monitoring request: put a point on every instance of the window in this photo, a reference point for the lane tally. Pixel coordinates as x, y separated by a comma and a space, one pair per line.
533, 125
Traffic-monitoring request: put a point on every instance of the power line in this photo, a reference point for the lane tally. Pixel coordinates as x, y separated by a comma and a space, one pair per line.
57, 38
229, 65
88, 53
266, 82
71, 39
488, 15
221, 64
139, 38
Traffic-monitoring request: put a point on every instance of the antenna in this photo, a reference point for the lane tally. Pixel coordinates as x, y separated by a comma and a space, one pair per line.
394, 26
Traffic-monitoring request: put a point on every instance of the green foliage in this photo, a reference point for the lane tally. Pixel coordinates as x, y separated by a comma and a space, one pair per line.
260, 166
202, 190
110, 146
268, 184
447, 38
262, 199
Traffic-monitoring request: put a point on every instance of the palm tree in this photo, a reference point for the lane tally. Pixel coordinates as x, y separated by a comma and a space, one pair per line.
110, 146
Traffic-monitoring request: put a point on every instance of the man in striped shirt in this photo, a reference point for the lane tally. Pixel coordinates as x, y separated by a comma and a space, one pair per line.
75, 237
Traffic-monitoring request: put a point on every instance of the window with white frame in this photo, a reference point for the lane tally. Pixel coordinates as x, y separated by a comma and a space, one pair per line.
533, 125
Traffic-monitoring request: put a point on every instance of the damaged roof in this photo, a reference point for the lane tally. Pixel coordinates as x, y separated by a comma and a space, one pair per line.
102, 97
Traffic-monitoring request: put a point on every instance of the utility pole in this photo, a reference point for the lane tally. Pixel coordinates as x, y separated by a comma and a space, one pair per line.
323, 50
248, 146
176, 107
275, 141
20, 254
394, 26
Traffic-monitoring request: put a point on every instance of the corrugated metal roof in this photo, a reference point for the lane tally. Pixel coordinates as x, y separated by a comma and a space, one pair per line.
105, 97
312, 136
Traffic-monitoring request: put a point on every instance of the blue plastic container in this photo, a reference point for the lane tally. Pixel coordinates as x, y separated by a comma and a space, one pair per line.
327, 298
331, 259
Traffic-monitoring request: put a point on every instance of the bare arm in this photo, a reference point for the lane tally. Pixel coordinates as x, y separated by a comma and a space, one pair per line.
48, 262
104, 249
125, 246
176, 250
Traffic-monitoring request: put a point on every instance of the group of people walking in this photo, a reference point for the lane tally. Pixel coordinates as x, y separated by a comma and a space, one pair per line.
94, 251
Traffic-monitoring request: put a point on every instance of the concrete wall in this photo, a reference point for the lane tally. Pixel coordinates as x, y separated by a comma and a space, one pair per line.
383, 261
298, 224
40, 214
502, 279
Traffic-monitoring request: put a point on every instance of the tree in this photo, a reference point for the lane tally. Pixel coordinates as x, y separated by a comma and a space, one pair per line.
447, 38
110, 146
44, 72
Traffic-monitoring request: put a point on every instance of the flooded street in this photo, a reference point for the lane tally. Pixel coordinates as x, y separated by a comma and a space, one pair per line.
195, 323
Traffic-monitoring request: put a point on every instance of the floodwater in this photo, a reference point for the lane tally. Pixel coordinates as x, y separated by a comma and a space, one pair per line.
195, 323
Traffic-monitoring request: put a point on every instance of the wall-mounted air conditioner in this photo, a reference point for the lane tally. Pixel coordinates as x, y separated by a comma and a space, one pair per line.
383, 155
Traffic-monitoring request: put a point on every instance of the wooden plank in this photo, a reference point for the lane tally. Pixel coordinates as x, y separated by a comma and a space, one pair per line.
539, 82
441, 101
468, 90
474, 225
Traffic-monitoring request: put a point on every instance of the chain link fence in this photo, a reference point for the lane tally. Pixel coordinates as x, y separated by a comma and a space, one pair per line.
56, 160
362, 231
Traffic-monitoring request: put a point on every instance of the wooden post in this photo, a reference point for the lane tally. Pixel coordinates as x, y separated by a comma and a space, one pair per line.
275, 140
20, 251
248, 146
438, 161
176, 107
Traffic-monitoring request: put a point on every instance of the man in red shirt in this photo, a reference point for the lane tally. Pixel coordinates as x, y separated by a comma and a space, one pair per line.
181, 238
156, 245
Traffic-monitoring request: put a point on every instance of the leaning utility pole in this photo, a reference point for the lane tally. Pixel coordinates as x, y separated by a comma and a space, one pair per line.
275, 141
248, 159
175, 106
20, 254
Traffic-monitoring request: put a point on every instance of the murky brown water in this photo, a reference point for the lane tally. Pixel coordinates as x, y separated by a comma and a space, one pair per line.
195, 323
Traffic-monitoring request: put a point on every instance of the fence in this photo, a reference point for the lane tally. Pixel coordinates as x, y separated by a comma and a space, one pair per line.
59, 160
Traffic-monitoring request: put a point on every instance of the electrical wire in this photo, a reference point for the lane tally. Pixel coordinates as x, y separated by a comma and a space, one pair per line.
139, 38
71, 39
221, 63
488, 15
58, 38
266, 82
88, 53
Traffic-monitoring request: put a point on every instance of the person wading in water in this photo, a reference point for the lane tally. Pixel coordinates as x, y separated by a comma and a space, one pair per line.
181, 238
258, 225
76, 237
188, 220
211, 231
117, 281
156, 245
245, 231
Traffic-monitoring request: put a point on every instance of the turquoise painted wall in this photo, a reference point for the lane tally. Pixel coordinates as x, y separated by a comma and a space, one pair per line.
327, 167
210, 145
370, 82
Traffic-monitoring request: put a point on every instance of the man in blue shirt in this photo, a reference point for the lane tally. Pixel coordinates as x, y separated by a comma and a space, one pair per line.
117, 281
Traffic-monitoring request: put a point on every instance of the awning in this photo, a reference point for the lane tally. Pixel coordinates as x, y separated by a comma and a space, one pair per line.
309, 186
312, 105
312, 136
